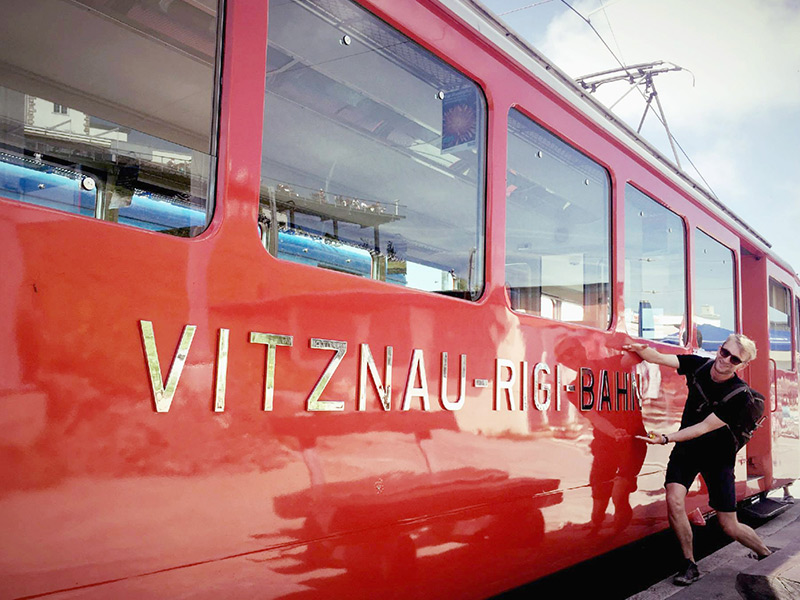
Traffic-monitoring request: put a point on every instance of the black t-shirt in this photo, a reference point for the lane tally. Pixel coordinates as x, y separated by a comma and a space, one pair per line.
705, 397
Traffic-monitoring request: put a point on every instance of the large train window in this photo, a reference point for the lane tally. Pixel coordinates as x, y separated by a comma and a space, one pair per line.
655, 270
106, 109
714, 292
557, 228
780, 325
373, 152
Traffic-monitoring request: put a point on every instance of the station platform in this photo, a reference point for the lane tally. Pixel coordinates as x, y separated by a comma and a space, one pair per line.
731, 574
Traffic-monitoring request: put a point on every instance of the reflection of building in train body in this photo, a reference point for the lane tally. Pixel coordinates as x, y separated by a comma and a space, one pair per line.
57, 121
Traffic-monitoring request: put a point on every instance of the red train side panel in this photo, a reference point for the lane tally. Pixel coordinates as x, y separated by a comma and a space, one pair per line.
196, 417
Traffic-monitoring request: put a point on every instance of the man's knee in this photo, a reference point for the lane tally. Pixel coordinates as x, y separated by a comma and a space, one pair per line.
676, 497
728, 523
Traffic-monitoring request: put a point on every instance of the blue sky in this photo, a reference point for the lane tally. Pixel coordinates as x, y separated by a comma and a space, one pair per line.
735, 109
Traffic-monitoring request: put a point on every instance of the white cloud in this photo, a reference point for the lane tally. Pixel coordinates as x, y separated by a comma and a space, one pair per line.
723, 160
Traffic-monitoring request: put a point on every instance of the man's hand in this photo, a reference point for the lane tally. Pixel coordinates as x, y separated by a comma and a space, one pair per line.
653, 438
620, 434
632, 347
652, 355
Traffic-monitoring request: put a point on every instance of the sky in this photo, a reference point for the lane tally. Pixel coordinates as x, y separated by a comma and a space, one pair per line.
734, 108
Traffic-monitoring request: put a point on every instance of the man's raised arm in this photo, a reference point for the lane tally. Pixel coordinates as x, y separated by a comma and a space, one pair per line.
652, 355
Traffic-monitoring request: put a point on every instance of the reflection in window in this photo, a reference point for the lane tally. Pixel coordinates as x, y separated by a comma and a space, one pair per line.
373, 152
107, 111
655, 271
780, 320
557, 228
714, 296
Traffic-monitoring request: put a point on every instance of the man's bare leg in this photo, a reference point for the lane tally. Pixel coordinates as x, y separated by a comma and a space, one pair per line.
678, 520
742, 533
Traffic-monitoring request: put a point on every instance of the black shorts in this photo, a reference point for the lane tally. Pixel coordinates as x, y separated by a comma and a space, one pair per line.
683, 467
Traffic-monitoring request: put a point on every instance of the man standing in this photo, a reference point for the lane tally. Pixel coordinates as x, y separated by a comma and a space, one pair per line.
720, 413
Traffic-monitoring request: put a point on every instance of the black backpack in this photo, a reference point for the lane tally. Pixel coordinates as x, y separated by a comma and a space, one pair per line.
752, 417
753, 414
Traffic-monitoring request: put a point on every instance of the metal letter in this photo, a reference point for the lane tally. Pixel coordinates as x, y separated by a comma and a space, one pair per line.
222, 370
499, 385
272, 341
558, 386
623, 391
587, 389
161, 394
385, 394
417, 365
524, 386
604, 391
314, 403
462, 389
636, 390
539, 387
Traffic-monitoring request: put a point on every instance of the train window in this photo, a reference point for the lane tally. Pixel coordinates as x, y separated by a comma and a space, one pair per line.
655, 270
796, 331
373, 152
780, 325
106, 109
557, 228
714, 292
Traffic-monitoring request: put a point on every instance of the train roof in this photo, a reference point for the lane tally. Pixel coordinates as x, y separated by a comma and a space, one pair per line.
496, 31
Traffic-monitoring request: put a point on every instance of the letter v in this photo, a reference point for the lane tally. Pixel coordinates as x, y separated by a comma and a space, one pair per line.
163, 395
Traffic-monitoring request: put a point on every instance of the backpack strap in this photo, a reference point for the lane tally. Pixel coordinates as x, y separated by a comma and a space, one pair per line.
737, 390
692, 378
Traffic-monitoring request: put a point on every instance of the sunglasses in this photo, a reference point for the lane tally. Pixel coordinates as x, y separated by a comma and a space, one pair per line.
725, 353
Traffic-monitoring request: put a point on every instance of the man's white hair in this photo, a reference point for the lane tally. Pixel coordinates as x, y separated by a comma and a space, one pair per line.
745, 343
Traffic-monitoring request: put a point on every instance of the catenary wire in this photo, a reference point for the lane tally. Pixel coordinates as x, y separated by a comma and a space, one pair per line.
624, 67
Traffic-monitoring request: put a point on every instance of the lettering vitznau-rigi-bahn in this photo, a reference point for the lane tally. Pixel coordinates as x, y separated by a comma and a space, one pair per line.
541, 387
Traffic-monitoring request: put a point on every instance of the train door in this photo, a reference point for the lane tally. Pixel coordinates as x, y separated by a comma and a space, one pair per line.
715, 315
783, 391
753, 292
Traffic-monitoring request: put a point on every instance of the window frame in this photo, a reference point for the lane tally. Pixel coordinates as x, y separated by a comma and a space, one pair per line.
788, 294
610, 223
379, 272
796, 322
87, 177
737, 327
684, 337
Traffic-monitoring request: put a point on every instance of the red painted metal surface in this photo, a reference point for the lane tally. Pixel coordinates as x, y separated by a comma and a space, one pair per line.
104, 497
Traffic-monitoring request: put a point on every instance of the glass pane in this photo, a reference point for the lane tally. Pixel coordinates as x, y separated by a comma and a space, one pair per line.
655, 270
714, 295
557, 228
119, 128
780, 319
373, 152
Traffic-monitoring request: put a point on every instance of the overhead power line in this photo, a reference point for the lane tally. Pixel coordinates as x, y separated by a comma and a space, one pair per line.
513, 10
638, 76
597, 33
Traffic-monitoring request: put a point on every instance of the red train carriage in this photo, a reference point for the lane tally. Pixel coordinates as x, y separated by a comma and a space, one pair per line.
315, 298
